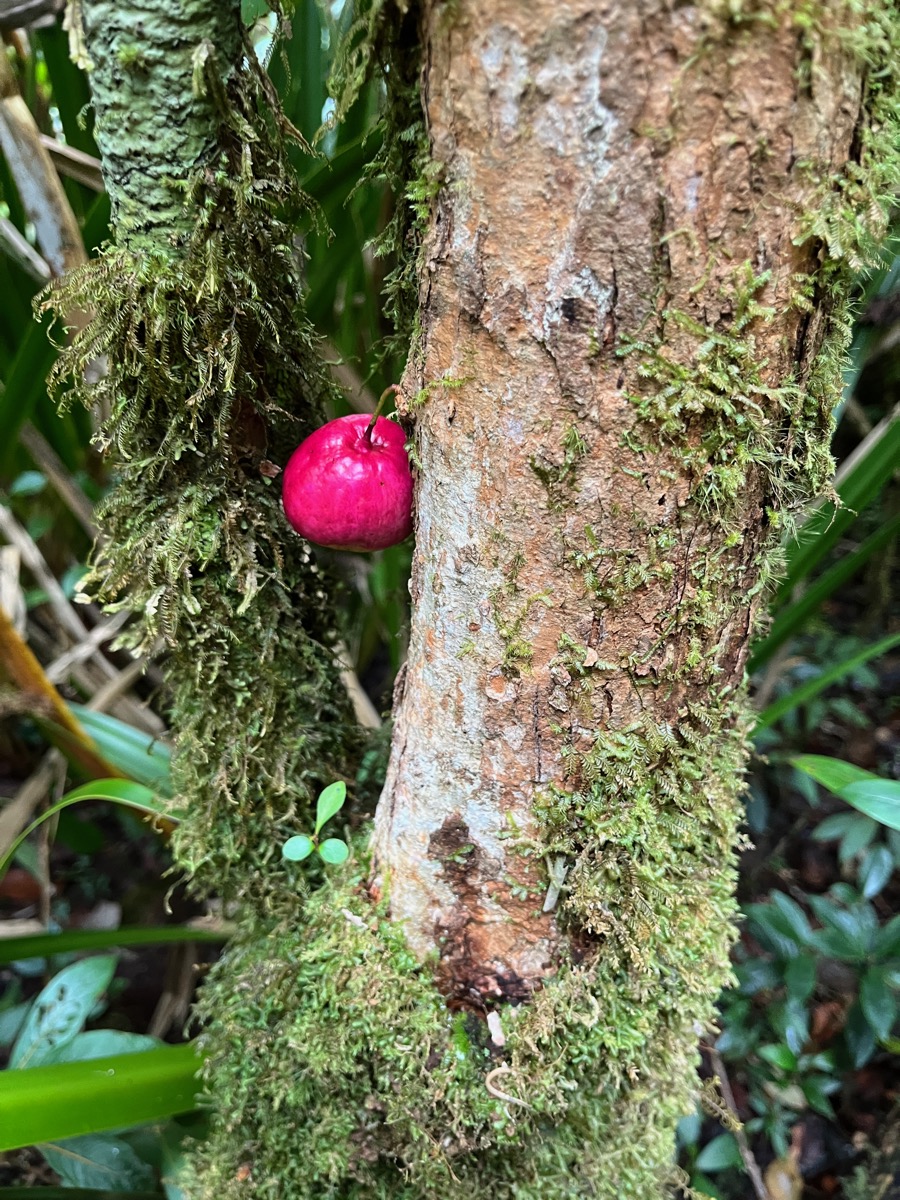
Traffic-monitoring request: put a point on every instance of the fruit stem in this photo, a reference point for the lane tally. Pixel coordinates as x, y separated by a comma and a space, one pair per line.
378, 407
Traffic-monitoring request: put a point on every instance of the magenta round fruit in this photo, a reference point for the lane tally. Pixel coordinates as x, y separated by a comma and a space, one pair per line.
349, 486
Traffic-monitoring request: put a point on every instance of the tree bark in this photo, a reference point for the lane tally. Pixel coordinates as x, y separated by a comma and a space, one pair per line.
616, 271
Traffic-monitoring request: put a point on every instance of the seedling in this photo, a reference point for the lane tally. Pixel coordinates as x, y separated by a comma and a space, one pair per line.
331, 850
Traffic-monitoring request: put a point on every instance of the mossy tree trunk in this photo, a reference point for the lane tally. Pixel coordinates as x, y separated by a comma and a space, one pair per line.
211, 374
633, 295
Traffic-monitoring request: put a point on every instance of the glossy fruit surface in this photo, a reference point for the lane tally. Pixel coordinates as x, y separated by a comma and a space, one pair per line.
349, 487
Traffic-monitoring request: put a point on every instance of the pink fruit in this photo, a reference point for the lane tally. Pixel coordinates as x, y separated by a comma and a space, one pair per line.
349, 485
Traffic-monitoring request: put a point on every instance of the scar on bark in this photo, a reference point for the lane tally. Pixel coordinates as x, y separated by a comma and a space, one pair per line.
464, 977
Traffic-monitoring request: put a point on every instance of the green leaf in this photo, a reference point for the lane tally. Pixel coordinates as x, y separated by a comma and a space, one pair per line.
858, 837
809, 690
11, 1021
858, 1036
334, 851
102, 1043
816, 1088
29, 483
832, 773
46, 1104
58, 1014
875, 870
24, 386
136, 754
330, 802
850, 932
793, 914
878, 1002
779, 1056
887, 943
297, 848
772, 930
47, 945
95, 1161
877, 798
800, 977
119, 791
719, 1154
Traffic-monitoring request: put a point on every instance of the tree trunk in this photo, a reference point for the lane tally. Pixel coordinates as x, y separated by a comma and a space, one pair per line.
632, 295
616, 276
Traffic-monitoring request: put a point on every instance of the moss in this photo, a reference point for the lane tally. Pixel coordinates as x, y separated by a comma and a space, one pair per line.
336, 1068
353, 1077
392, 1095
559, 477
212, 371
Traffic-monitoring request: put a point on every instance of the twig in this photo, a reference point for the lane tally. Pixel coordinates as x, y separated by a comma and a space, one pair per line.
21, 251
18, 811
74, 163
106, 696
39, 186
363, 709
750, 1164
24, 670
52, 465
86, 648
361, 399
56, 597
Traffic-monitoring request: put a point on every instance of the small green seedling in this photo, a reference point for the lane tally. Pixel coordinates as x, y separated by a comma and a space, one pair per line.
331, 850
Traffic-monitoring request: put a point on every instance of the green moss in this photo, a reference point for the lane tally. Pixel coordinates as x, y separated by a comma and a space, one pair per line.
559, 477
335, 1066
212, 370
389, 1094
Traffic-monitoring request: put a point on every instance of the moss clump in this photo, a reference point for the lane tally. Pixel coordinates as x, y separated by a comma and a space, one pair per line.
354, 1080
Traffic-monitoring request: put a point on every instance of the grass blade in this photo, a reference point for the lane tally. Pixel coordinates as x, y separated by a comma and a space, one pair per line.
47, 945
794, 615
860, 487
119, 791
45, 1104
808, 691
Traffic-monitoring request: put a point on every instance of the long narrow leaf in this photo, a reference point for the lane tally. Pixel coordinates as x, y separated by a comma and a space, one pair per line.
47, 945
827, 524
46, 1104
24, 386
119, 791
808, 691
138, 755
794, 615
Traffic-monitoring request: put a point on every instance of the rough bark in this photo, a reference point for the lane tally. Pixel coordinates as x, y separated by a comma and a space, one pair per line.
622, 185
156, 114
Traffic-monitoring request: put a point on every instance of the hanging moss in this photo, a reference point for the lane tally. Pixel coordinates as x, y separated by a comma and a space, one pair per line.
211, 377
